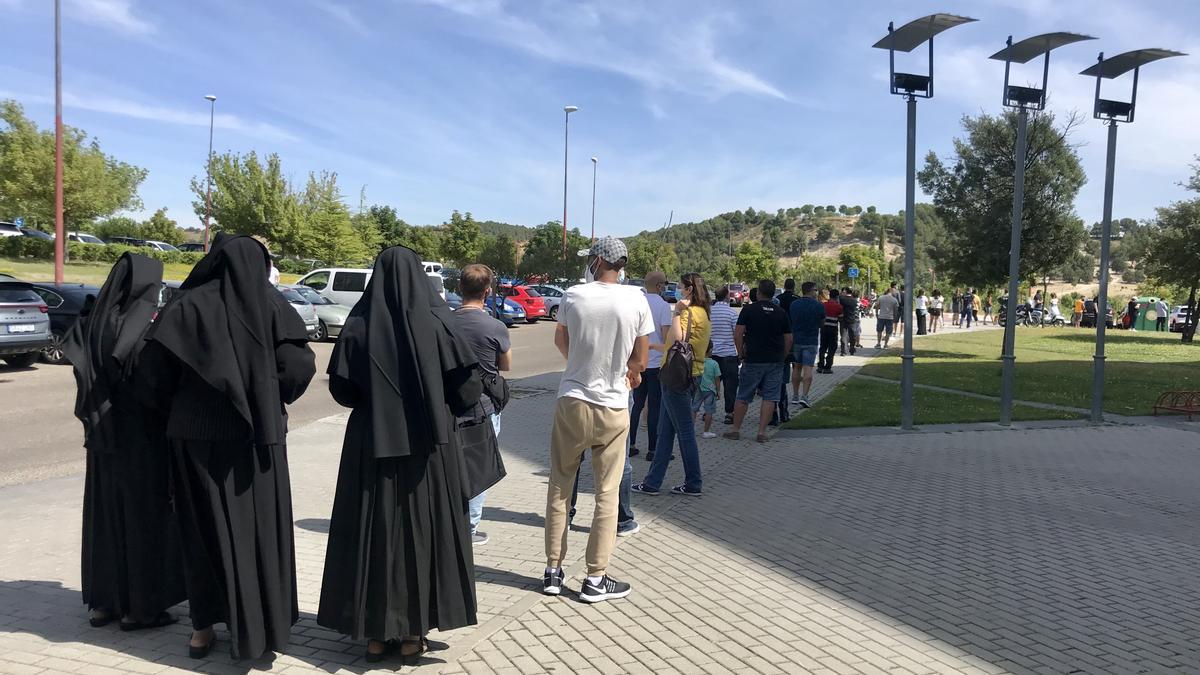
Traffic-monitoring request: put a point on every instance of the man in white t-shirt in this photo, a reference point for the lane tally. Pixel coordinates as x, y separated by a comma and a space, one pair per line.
648, 395
603, 333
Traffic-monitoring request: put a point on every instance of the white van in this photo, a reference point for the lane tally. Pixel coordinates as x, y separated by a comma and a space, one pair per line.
345, 286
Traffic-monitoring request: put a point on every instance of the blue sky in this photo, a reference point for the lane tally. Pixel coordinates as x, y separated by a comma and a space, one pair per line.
696, 106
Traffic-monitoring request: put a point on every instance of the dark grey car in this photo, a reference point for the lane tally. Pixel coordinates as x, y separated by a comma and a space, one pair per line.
24, 324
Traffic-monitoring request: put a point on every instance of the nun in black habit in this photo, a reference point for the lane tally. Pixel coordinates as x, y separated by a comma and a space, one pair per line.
399, 562
224, 358
130, 555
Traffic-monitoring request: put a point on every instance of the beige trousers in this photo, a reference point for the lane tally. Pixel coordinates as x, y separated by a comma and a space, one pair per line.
581, 426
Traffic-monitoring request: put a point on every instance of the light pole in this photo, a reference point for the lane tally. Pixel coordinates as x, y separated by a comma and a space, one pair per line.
567, 110
905, 39
212, 113
1112, 112
594, 162
60, 235
1023, 99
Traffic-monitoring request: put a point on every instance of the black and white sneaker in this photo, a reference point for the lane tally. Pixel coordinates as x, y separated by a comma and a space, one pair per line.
804, 402
685, 491
552, 582
607, 589
643, 489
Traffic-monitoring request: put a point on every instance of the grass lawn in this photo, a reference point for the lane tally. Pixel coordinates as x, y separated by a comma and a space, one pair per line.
859, 402
93, 273
1054, 365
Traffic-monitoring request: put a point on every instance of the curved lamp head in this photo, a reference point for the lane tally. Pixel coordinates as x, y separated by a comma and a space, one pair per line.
210, 98
1120, 111
907, 38
1025, 51
594, 160
570, 109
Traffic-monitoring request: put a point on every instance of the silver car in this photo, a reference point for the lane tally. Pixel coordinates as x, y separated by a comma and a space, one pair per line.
308, 313
24, 324
331, 316
552, 297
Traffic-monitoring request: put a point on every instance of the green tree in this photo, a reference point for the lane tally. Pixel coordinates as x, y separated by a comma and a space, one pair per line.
250, 197
332, 237
118, 226
544, 254
806, 210
867, 259
752, 263
461, 239
973, 196
647, 254
161, 228
95, 185
500, 254
1174, 255
819, 269
830, 209
367, 230
870, 209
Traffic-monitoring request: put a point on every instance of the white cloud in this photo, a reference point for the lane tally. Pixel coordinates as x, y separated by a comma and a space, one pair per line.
343, 14
116, 14
666, 51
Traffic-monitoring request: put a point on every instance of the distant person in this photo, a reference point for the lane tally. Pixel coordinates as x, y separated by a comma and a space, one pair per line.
764, 336
956, 307
806, 317
935, 310
849, 324
901, 310
987, 310
648, 395
1077, 315
603, 332
707, 393
829, 333
921, 304
753, 295
1131, 313
724, 322
968, 308
785, 300
885, 316
1055, 312
975, 305
1161, 312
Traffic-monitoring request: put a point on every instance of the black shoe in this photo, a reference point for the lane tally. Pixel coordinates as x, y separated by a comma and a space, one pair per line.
729, 419
683, 490
633, 452
641, 488
650, 456
552, 582
202, 651
607, 589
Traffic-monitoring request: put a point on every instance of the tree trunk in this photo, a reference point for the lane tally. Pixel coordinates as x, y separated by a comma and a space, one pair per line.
1189, 326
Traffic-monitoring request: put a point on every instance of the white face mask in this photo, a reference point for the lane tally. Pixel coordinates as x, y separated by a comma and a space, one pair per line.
589, 274
621, 276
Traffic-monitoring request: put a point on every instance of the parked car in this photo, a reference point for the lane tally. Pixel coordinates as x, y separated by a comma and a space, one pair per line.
192, 247
454, 300
9, 230
551, 297
308, 313
739, 294
529, 300
127, 241
331, 316
507, 311
36, 234
169, 290
24, 324
65, 303
84, 238
671, 294
343, 286
7, 277
1179, 319
160, 245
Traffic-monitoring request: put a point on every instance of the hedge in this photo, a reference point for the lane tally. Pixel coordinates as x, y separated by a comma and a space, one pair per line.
43, 249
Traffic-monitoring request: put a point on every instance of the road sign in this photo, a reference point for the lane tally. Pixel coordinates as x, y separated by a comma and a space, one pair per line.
852, 272
19, 222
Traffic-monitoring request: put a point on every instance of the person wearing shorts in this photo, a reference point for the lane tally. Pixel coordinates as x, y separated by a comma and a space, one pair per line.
764, 338
806, 316
885, 317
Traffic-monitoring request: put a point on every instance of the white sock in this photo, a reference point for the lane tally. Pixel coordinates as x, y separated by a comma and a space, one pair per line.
595, 581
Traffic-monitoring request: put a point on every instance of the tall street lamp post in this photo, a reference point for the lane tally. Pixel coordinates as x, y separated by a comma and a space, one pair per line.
60, 235
594, 162
1112, 112
567, 110
1023, 99
905, 39
212, 113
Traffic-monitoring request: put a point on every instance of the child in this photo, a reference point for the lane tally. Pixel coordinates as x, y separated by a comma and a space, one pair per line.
708, 392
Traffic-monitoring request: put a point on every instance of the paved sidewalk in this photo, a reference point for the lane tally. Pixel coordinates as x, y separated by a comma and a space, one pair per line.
1041, 550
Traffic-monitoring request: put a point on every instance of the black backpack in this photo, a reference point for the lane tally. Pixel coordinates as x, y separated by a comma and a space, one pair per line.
676, 371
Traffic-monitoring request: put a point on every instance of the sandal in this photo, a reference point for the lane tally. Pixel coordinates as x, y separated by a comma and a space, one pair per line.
160, 620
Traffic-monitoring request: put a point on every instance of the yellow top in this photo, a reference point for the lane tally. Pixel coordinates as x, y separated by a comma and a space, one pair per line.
695, 324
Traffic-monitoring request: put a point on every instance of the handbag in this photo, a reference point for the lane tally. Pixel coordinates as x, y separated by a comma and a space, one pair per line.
676, 371
495, 386
482, 465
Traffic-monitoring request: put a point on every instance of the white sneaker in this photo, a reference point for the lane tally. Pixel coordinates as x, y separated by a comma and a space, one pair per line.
795, 400
708, 434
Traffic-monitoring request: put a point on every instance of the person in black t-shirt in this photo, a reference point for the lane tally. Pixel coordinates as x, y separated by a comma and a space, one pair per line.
763, 338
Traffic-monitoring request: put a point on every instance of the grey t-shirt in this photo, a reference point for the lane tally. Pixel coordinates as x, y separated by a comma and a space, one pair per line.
888, 307
488, 338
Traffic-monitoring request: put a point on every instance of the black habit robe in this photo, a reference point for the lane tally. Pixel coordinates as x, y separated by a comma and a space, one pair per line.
399, 555
224, 358
130, 555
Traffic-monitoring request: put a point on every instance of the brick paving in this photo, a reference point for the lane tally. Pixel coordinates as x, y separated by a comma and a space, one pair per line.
1036, 550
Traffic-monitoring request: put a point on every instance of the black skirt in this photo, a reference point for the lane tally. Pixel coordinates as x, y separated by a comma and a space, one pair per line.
399, 556
130, 553
234, 504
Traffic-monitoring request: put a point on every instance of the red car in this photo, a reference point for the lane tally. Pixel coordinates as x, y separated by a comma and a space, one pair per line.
739, 294
529, 300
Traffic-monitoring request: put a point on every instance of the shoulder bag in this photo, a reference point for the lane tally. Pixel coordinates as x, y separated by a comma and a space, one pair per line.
676, 371
482, 465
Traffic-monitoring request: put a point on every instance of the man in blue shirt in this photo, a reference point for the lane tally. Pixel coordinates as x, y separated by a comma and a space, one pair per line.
807, 315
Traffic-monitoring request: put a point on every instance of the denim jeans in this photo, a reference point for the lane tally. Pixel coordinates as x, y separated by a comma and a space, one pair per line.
475, 506
676, 419
647, 396
625, 492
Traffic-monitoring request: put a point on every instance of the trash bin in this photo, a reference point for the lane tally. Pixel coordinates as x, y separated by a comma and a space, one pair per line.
1147, 314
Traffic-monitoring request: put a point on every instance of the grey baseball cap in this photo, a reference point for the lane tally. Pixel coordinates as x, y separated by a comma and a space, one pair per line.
609, 248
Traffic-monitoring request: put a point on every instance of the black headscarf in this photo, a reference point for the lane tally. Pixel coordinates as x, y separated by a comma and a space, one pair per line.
399, 350
103, 343
225, 326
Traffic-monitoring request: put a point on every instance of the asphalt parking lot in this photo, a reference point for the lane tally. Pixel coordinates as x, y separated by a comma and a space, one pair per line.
40, 437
